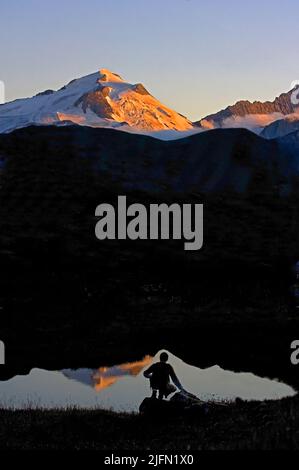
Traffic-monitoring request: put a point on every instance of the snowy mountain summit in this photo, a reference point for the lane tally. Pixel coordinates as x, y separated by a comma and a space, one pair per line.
101, 99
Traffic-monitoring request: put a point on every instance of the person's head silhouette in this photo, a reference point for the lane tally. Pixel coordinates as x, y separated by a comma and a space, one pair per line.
163, 357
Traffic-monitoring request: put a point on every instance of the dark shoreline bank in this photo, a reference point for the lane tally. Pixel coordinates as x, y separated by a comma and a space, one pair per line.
242, 426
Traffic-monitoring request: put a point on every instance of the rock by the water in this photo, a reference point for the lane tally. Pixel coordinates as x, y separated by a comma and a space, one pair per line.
159, 408
180, 404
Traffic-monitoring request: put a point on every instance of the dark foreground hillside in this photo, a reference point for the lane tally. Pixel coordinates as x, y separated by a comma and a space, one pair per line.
60, 285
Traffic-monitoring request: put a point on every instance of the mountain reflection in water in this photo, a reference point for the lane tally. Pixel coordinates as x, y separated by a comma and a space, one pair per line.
123, 387
104, 377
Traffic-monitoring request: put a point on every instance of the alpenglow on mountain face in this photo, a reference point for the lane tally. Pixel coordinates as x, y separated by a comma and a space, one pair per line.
254, 116
102, 99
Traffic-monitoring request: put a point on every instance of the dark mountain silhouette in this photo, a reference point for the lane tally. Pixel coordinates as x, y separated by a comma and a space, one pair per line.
64, 290
290, 143
221, 160
281, 127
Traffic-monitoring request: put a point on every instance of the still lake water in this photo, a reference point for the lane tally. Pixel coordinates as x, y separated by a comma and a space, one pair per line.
123, 387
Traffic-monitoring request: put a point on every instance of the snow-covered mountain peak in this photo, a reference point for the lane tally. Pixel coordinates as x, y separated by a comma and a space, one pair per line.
100, 99
108, 76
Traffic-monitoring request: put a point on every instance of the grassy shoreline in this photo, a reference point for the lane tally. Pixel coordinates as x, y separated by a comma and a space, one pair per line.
271, 425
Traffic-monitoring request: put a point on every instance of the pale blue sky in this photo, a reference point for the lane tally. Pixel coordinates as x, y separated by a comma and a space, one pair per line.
193, 55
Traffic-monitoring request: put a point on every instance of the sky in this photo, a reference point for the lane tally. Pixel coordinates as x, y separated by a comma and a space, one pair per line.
195, 56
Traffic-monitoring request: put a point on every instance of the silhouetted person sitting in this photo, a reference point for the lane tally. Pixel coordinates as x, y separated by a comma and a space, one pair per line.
160, 374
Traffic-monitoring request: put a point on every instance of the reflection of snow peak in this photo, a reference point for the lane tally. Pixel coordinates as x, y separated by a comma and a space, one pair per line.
89, 388
209, 384
106, 376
